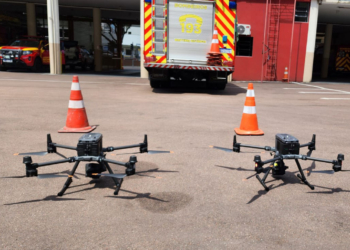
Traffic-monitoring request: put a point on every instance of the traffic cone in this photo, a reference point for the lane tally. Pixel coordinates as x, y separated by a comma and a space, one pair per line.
285, 77
249, 122
77, 121
215, 49
214, 55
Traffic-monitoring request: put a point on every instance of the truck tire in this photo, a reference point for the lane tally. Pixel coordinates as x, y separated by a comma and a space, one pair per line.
154, 84
2, 68
37, 67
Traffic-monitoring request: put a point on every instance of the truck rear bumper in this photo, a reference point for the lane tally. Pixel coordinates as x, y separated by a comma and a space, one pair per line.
189, 67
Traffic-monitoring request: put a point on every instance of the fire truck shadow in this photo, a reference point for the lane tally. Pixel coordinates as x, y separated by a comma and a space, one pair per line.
199, 88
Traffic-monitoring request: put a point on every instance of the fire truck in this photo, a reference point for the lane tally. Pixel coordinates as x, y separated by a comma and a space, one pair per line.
177, 38
28, 53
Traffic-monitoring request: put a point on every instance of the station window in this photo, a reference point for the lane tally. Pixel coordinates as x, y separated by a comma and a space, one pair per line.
302, 12
245, 46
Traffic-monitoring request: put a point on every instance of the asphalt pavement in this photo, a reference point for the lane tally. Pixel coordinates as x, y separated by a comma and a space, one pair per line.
195, 198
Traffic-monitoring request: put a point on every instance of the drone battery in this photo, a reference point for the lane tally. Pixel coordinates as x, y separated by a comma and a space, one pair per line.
287, 144
90, 144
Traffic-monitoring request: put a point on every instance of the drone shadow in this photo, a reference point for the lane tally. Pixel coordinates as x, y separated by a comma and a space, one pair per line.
47, 198
288, 178
53, 173
138, 196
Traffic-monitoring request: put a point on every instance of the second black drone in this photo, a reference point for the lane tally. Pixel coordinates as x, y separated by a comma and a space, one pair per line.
287, 147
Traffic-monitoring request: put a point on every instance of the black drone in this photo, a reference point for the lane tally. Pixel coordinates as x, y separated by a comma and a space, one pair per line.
89, 149
287, 147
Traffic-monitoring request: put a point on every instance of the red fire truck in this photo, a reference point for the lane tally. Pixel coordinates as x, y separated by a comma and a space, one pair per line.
29, 53
177, 38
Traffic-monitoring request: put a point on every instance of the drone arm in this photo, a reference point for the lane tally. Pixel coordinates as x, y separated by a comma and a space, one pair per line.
31, 168
337, 164
52, 147
71, 159
311, 145
115, 162
64, 146
110, 149
237, 146
143, 146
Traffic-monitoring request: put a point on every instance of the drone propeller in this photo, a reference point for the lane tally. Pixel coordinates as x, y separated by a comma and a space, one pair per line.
42, 153
321, 171
119, 176
47, 176
14, 177
152, 152
229, 150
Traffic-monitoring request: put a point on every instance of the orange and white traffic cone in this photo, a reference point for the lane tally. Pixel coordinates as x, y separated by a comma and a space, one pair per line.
285, 76
214, 55
249, 122
215, 43
77, 121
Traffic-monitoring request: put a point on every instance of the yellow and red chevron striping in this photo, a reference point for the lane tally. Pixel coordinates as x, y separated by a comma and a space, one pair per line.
148, 29
225, 22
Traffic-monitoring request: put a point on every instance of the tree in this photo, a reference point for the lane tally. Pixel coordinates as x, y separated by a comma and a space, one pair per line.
114, 33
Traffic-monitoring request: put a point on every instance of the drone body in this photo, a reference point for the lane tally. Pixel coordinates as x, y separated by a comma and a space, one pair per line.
287, 147
89, 148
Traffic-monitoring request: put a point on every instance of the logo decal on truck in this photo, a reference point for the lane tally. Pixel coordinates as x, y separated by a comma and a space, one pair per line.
187, 25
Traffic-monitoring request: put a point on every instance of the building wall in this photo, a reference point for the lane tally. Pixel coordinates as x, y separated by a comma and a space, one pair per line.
253, 12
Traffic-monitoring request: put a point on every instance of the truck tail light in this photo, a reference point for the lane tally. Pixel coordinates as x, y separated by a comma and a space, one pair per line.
150, 58
229, 63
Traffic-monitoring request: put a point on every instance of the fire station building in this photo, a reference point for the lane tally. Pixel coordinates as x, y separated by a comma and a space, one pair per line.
310, 39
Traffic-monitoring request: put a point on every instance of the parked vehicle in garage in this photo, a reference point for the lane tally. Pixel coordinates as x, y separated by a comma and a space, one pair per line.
77, 56
28, 53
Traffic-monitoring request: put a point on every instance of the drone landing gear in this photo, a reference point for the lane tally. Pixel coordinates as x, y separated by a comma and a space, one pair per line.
262, 181
302, 177
69, 179
278, 168
118, 182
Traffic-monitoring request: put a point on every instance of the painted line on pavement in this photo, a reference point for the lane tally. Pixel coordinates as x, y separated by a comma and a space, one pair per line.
315, 86
324, 98
298, 88
332, 93
28, 80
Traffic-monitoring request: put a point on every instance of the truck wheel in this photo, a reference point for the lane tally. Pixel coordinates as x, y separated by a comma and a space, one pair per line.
155, 84
37, 65
2, 68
